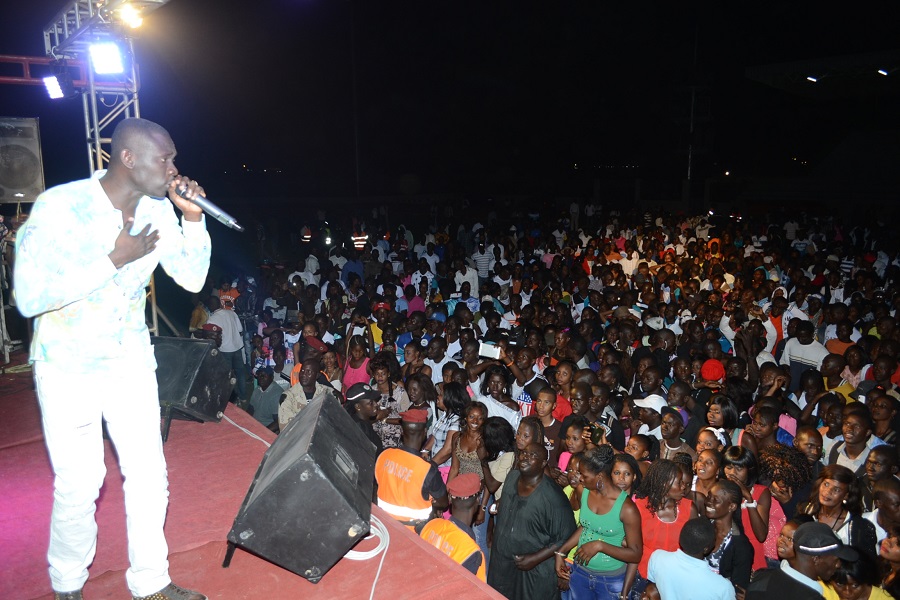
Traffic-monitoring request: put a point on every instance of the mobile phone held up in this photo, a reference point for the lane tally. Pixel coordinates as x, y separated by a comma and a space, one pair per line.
488, 350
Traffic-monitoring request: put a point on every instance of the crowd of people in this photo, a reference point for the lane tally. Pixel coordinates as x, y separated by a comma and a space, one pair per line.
628, 406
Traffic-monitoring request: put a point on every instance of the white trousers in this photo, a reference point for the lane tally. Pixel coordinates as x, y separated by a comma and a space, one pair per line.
72, 406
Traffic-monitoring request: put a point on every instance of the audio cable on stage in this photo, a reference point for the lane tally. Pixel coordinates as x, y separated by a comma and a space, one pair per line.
378, 530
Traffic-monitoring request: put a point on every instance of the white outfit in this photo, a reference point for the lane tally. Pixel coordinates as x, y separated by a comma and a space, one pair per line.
93, 360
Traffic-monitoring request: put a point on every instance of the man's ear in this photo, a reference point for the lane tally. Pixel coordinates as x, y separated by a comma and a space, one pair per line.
126, 157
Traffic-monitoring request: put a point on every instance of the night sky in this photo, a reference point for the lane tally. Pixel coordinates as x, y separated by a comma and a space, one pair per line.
476, 98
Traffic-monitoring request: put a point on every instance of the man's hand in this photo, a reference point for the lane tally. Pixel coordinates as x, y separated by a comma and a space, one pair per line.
191, 211
129, 247
526, 562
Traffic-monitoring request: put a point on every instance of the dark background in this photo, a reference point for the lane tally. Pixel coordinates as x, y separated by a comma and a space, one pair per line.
473, 98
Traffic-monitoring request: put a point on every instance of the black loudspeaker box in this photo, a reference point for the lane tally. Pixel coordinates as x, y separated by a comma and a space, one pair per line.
21, 163
194, 378
311, 499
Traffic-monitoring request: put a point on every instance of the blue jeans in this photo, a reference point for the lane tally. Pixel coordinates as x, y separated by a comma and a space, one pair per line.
585, 584
481, 532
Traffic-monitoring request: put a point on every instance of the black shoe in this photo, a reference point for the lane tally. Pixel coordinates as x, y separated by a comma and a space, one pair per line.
170, 592
76, 595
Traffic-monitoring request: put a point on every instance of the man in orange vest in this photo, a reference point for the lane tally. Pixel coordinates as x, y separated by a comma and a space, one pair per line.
410, 488
454, 536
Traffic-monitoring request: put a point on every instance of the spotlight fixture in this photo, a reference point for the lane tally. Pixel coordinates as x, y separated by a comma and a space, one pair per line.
106, 58
59, 85
130, 15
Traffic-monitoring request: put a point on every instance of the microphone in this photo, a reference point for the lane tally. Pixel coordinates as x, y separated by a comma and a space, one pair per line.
211, 209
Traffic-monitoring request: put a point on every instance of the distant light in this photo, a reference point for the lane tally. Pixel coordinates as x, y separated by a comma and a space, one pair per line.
106, 58
328, 241
54, 90
131, 16
882, 72
727, 173
19, 195
811, 78
710, 212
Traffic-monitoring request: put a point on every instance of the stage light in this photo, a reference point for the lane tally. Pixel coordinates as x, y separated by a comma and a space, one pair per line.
812, 79
106, 58
54, 90
131, 16
59, 85
882, 72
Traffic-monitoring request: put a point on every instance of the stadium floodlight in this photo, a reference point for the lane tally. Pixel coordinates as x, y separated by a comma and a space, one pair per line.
106, 58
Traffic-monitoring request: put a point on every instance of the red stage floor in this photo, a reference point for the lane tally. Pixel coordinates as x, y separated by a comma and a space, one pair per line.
210, 468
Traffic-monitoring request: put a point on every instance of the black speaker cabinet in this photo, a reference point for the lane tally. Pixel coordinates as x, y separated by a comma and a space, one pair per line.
194, 378
21, 164
310, 501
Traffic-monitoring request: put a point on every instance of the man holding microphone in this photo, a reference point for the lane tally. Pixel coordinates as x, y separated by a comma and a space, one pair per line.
83, 261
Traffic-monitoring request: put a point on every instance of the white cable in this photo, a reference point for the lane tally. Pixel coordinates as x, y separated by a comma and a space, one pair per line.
247, 431
378, 530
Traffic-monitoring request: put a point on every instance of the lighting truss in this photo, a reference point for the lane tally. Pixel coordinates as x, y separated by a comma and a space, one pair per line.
107, 98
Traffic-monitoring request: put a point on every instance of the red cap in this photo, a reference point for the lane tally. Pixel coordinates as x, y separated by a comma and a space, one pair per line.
317, 344
211, 327
416, 415
464, 486
381, 305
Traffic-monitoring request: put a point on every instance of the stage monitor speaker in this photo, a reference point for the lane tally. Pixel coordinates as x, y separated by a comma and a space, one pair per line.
21, 165
194, 378
311, 499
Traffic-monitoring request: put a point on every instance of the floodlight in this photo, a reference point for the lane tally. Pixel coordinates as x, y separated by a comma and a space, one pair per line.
882, 72
812, 79
59, 85
54, 90
130, 15
106, 58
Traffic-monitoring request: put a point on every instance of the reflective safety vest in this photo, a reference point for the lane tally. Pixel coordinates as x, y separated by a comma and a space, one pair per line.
447, 537
400, 476
305, 234
359, 240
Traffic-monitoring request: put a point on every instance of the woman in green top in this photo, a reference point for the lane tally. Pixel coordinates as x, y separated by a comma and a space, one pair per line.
608, 516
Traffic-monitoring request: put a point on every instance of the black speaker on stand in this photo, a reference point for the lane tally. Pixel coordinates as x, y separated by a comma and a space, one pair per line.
194, 380
311, 499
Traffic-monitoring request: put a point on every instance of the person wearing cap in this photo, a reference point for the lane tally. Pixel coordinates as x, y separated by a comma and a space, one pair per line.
209, 331
362, 404
817, 555
454, 536
265, 398
649, 413
410, 488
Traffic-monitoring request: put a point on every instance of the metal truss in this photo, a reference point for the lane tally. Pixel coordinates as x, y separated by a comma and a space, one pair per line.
105, 99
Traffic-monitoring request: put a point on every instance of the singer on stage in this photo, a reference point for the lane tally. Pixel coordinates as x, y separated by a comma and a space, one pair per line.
83, 261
